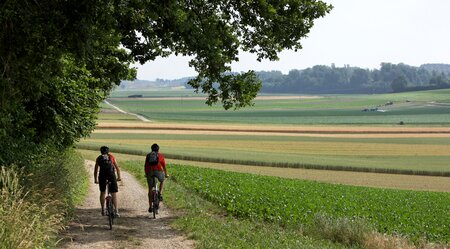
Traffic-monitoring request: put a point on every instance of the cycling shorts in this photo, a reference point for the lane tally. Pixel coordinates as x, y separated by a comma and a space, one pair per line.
113, 188
159, 174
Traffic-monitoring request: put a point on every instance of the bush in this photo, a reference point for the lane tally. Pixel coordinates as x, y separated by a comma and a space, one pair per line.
341, 230
64, 172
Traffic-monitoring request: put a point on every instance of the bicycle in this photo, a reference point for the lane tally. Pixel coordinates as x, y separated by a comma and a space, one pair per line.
155, 197
109, 207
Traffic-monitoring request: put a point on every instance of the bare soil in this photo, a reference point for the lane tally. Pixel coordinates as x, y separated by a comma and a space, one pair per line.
134, 229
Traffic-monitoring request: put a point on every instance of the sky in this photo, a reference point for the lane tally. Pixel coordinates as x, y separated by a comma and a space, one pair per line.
360, 33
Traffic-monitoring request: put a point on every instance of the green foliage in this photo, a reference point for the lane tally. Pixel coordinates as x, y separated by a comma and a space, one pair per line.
399, 84
343, 230
290, 202
212, 33
59, 59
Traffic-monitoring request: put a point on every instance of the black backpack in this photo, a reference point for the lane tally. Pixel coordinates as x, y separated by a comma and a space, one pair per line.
105, 163
153, 158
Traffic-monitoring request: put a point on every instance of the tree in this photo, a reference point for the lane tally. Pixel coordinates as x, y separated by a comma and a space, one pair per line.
212, 32
399, 84
360, 77
60, 58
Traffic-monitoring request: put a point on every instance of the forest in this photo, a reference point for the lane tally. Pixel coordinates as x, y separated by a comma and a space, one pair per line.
331, 79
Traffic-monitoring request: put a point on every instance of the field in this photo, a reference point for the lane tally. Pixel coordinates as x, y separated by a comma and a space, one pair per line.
403, 145
298, 202
418, 108
289, 131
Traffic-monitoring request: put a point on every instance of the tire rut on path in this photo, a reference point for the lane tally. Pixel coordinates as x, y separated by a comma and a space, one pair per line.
134, 229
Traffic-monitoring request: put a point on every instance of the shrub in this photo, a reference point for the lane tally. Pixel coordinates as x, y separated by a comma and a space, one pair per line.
343, 230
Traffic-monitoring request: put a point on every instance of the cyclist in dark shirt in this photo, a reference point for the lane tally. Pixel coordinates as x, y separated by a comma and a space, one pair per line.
107, 173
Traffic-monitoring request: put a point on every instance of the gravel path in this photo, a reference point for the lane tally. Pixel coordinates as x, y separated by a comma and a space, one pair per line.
124, 112
134, 229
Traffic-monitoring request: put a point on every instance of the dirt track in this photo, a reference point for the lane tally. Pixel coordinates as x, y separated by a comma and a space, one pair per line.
134, 229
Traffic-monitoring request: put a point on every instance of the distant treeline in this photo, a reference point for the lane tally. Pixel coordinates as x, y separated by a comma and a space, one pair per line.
331, 79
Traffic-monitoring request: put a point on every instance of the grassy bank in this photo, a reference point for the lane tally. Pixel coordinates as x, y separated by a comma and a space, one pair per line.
37, 201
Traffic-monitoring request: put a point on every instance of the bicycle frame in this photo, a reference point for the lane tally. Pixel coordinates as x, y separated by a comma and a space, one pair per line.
109, 206
155, 196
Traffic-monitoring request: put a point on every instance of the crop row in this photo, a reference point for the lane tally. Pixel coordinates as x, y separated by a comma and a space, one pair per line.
259, 159
410, 213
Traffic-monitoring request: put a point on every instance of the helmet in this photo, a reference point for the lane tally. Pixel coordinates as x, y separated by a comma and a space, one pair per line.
155, 147
104, 150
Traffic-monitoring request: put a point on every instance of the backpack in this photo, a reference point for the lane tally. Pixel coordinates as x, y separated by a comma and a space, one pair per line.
153, 158
105, 163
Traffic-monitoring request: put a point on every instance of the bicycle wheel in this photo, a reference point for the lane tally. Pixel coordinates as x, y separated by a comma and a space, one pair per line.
154, 206
110, 212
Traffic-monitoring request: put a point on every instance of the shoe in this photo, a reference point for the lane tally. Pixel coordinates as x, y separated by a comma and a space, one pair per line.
116, 214
150, 210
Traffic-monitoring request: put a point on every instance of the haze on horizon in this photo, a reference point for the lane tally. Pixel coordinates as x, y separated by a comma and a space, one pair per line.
361, 33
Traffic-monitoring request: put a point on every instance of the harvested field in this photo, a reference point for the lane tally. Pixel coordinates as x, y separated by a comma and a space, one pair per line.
319, 131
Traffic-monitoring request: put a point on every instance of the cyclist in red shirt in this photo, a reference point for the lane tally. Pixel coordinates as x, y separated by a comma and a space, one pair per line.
159, 170
108, 166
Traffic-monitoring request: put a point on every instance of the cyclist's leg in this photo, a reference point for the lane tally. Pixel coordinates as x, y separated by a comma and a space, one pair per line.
150, 186
113, 188
160, 176
102, 186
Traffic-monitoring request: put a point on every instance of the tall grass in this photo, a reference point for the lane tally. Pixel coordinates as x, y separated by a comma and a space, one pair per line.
36, 202
24, 222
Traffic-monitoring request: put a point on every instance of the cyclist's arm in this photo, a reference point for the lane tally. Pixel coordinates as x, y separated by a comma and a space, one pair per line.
163, 164
96, 172
145, 165
117, 170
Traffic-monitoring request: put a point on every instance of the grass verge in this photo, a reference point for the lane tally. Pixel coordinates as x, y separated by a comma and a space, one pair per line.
37, 201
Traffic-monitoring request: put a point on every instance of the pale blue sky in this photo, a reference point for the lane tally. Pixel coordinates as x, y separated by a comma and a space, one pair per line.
360, 33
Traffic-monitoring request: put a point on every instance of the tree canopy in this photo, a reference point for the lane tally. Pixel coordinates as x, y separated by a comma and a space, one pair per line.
60, 58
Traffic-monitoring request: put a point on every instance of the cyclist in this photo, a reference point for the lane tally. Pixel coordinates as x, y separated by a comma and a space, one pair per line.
108, 165
155, 167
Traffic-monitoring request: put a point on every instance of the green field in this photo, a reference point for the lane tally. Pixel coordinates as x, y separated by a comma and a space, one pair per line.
415, 108
409, 213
